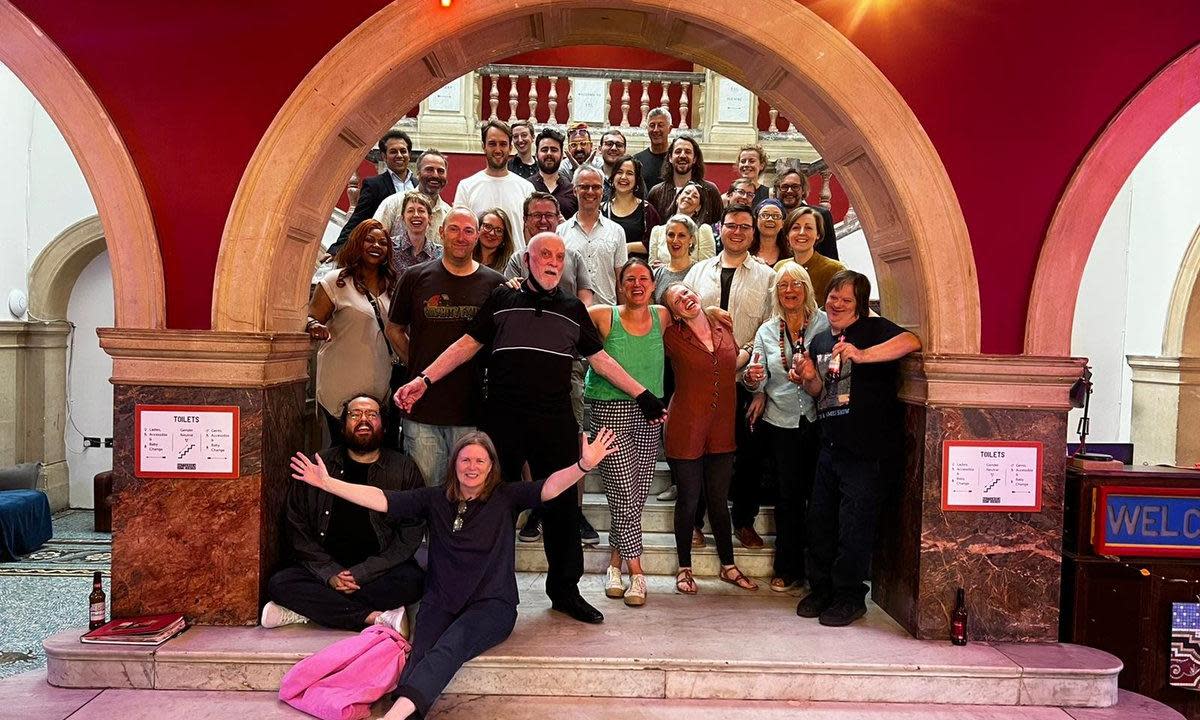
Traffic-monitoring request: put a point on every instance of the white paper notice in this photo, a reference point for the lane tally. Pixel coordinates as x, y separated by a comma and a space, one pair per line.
735, 102
986, 477
180, 442
447, 98
588, 96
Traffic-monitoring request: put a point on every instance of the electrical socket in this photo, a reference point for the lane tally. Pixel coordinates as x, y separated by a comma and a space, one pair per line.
91, 442
108, 442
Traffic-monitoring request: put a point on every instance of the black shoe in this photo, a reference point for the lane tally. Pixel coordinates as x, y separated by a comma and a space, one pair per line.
813, 604
842, 613
532, 532
579, 609
587, 533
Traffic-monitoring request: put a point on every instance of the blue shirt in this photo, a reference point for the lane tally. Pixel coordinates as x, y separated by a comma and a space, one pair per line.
787, 402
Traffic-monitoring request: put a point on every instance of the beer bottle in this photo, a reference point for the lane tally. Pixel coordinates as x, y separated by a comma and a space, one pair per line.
96, 603
833, 371
958, 620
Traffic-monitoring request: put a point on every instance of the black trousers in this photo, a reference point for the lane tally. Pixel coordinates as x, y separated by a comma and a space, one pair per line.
710, 473
795, 453
443, 641
842, 516
297, 589
750, 469
547, 444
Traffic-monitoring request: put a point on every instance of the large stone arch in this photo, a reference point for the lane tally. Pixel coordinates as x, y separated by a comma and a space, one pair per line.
1090, 193
140, 298
846, 107
1181, 333
54, 272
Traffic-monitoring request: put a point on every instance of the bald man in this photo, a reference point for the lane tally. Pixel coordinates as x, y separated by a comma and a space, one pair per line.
535, 334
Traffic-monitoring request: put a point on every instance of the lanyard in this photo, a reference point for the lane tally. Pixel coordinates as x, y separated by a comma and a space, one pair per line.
785, 355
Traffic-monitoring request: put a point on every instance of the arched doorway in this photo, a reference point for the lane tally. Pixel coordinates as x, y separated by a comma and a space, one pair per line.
1090, 193
115, 185
846, 107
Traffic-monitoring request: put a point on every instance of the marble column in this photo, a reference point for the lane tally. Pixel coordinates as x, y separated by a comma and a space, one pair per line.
204, 547
1008, 563
1166, 407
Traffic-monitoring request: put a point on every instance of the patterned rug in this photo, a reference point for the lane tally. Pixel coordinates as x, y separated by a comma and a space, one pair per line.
75, 551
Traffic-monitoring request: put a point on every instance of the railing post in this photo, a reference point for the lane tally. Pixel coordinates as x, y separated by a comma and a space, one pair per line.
683, 105
624, 103
826, 196
773, 127
512, 98
645, 106
494, 95
533, 98
553, 119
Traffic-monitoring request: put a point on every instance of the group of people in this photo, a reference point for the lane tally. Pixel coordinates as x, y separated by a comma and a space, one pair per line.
712, 325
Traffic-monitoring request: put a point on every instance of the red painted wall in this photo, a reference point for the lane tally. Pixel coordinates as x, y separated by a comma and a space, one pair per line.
999, 86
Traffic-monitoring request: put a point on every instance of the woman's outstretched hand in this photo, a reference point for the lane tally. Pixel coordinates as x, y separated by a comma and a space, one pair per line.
305, 470
603, 445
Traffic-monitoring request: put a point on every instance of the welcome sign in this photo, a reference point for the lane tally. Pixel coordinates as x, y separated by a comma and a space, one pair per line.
1147, 522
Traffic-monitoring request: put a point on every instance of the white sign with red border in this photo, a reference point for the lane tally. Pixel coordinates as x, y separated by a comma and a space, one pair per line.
992, 475
186, 441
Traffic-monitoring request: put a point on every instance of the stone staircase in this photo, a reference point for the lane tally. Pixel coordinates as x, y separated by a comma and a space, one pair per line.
723, 653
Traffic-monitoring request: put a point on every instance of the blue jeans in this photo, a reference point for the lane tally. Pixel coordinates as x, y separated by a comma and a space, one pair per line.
429, 447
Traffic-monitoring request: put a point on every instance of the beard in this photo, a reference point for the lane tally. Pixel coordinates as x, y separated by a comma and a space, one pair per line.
493, 165
549, 165
367, 444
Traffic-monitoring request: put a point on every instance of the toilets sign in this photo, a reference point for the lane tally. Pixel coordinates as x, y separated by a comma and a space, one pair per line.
991, 476
1147, 522
186, 441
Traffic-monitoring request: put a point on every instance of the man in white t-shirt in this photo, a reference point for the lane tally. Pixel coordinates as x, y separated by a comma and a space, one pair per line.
495, 186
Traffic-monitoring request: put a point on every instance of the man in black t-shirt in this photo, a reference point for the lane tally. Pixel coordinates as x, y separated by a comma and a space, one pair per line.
535, 335
860, 419
431, 308
353, 567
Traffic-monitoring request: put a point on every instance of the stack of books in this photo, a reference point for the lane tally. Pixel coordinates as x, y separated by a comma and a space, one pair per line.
144, 630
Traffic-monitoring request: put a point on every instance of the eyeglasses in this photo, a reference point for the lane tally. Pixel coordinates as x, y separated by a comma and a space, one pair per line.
543, 215
589, 188
458, 518
612, 144
360, 414
790, 187
740, 227
790, 285
491, 229
770, 216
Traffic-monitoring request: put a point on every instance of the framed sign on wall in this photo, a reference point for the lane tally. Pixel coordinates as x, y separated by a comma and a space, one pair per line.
186, 441
1140, 521
991, 476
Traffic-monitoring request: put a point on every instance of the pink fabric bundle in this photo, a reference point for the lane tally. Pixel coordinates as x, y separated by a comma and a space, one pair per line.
341, 681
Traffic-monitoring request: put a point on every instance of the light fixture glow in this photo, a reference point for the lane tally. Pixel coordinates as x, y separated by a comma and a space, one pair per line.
445, 3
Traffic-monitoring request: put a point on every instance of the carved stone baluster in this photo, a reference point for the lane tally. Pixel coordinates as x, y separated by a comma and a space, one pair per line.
494, 94
512, 98
791, 126
645, 106
533, 98
352, 188
553, 119
826, 196
773, 127
625, 103
608, 105
700, 104
683, 105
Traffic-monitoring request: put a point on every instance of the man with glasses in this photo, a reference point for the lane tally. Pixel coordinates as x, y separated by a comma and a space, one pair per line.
612, 148
550, 177
599, 240
354, 567
791, 189
743, 287
431, 308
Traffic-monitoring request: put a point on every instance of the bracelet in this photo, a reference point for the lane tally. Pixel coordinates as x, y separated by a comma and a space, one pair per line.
579, 465
311, 321
425, 379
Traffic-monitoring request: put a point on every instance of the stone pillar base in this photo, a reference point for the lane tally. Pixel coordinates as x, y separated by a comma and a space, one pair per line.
1166, 408
204, 547
1008, 563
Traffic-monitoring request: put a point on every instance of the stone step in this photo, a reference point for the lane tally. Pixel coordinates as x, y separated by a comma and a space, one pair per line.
593, 483
658, 556
659, 516
1130, 706
713, 646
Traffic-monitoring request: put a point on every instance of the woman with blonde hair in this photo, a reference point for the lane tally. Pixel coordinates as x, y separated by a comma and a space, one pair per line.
470, 601
803, 229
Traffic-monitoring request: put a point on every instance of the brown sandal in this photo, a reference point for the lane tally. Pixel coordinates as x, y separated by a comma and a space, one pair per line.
685, 584
733, 576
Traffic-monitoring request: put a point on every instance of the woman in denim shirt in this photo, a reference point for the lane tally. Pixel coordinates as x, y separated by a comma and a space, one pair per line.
787, 412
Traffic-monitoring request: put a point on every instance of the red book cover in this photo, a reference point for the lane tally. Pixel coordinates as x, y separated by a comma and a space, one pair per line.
145, 628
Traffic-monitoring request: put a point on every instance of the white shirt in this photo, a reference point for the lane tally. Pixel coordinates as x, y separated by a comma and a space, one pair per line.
403, 185
603, 251
482, 192
749, 295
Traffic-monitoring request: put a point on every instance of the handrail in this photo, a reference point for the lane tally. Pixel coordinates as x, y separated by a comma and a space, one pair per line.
665, 76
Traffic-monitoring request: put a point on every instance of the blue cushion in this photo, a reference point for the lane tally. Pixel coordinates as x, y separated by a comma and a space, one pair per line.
24, 522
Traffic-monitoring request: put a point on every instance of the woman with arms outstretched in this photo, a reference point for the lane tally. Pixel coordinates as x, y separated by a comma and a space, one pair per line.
470, 601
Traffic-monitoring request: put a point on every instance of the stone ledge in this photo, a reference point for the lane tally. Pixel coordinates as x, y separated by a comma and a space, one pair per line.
990, 381
205, 358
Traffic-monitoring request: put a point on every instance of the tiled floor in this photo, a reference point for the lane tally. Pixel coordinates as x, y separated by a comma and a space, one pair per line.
35, 606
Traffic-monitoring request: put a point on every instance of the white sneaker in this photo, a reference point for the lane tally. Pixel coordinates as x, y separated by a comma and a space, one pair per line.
274, 616
636, 595
614, 587
670, 493
395, 619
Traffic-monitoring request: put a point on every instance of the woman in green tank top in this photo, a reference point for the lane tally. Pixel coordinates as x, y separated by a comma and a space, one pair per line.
632, 335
